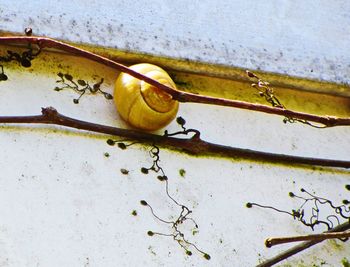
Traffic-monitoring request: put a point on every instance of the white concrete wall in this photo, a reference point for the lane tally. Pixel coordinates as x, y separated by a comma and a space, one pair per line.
63, 203
306, 39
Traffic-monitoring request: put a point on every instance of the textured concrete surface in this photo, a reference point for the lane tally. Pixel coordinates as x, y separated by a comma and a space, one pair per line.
289, 37
63, 202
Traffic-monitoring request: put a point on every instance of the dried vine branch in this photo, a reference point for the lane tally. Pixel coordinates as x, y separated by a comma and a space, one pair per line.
267, 92
192, 145
305, 245
185, 212
273, 241
44, 42
331, 220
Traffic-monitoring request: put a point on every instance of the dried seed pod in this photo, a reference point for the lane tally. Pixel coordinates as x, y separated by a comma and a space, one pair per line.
143, 105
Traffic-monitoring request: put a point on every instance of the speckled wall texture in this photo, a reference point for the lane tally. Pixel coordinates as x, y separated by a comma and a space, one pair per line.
305, 39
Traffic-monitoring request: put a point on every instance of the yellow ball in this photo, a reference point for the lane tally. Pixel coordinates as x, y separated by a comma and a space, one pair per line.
142, 105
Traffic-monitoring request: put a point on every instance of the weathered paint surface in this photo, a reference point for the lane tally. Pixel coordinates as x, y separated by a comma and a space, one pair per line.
289, 37
64, 203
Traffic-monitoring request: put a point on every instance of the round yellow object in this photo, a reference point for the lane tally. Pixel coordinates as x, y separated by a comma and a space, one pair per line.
142, 105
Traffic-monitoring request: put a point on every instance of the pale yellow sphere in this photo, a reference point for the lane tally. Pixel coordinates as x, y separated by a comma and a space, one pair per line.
142, 105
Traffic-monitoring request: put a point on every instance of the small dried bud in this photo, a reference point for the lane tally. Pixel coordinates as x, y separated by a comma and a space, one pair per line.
206, 256
28, 31
124, 171
68, 77
250, 74
108, 96
81, 82
3, 77
150, 233
144, 170
143, 203
110, 142
121, 145
181, 121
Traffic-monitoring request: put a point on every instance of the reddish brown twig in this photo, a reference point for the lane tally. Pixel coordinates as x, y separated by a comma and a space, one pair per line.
305, 245
181, 96
192, 145
270, 242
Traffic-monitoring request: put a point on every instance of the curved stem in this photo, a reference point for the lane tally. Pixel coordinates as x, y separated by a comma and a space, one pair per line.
193, 145
180, 96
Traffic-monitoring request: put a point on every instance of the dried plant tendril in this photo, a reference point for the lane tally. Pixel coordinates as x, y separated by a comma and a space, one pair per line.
124, 171
24, 59
310, 213
181, 121
120, 143
175, 233
80, 86
183, 216
266, 91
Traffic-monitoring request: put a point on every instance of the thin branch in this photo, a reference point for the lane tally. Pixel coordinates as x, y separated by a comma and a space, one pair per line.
194, 145
270, 242
305, 245
180, 96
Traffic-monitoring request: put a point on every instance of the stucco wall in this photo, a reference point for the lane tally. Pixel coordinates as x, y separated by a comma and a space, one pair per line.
63, 202
289, 37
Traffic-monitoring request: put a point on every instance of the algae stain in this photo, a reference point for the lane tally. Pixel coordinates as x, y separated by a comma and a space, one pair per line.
345, 262
335, 245
182, 172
